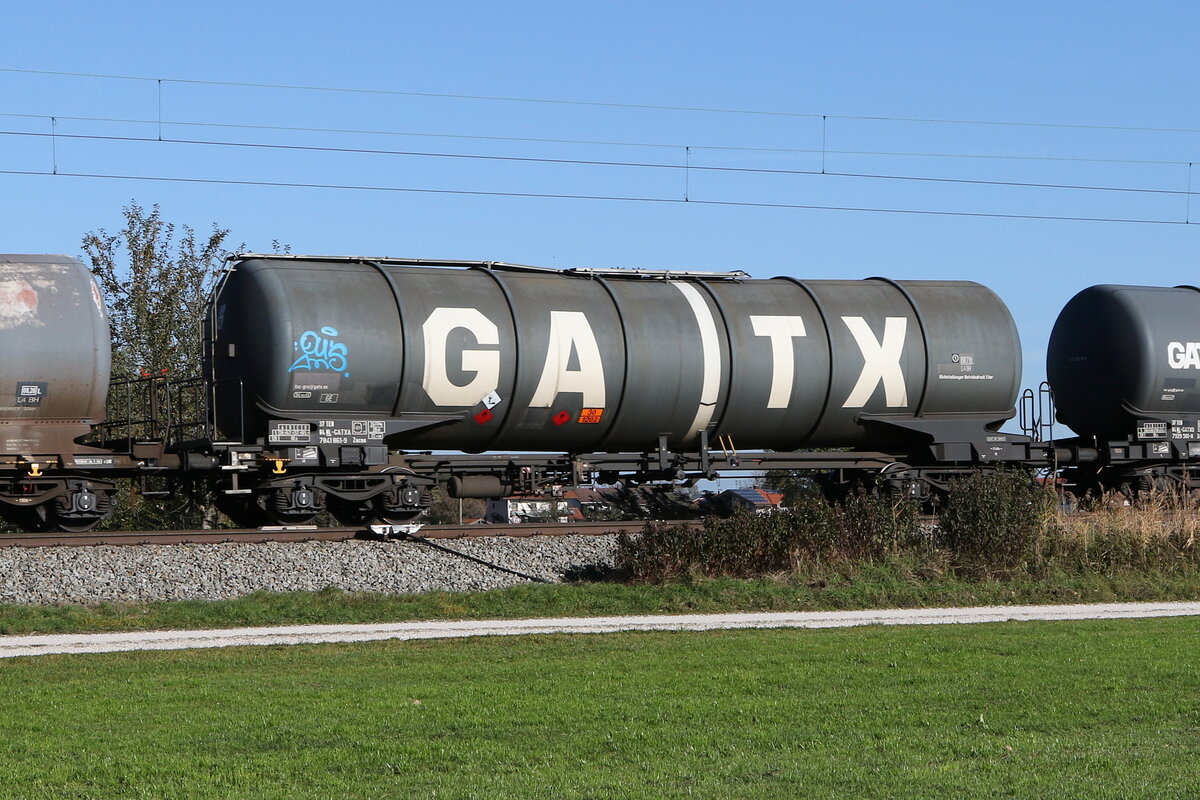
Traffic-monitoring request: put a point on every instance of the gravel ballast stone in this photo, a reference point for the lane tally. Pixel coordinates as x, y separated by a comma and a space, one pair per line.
139, 573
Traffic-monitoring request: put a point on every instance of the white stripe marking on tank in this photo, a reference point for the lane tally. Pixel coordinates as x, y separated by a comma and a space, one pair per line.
710, 384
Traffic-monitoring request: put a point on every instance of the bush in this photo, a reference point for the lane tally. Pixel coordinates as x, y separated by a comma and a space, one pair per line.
862, 528
995, 522
998, 525
871, 526
739, 546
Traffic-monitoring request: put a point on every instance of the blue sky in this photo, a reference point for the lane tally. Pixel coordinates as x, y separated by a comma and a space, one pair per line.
1093, 76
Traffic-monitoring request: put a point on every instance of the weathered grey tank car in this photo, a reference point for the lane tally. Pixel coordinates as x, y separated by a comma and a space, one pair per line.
54, 376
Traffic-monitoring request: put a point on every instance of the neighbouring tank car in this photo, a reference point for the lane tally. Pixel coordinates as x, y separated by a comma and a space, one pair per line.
1123, 362
326, 367
55, 359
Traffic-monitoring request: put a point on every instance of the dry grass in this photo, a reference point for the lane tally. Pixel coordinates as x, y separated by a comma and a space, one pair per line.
1158, 530
995, 527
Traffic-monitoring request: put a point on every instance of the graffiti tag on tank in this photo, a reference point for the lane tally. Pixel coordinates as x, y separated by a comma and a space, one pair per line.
320, 351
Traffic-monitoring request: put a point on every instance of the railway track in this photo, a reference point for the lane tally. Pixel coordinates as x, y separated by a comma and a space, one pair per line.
315, 534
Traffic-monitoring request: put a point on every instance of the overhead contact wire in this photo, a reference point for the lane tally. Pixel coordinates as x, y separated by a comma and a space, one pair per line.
596, 104
563, 196
600, 142
687, 167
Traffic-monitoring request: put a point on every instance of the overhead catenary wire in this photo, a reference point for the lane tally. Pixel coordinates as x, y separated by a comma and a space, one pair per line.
636, 195
596, 142
687, 167
615, 198
594, 103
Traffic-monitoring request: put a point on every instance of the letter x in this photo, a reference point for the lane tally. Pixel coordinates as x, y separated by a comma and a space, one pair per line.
881, 362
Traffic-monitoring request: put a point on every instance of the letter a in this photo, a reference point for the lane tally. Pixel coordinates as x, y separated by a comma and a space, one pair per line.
570, 331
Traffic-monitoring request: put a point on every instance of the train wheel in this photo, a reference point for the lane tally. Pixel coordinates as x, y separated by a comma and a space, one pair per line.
401, 504
82, 508
75, 524
292, 518
295, 505
398, 517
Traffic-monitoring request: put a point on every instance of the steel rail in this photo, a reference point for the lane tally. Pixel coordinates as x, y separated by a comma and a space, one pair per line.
315, 534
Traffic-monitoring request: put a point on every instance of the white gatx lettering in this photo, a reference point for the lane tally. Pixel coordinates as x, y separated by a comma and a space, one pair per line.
1183, 355
571, 331
485, 364
781, 331
881, 362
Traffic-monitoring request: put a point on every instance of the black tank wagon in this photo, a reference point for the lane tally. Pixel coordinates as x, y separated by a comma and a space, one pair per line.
355, 385
481, 357
334, 365
1124, 362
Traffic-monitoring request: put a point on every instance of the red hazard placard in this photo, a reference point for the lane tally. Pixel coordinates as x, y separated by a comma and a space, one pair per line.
561, 418
484, 415
590, 416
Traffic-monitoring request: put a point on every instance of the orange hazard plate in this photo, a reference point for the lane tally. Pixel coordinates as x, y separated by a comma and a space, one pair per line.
589, 415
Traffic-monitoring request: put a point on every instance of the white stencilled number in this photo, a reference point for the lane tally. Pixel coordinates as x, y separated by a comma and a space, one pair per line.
485, 364
881, 362
781, 331
571, 331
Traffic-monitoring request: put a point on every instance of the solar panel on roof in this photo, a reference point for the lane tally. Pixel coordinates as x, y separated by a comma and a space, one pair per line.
753, 495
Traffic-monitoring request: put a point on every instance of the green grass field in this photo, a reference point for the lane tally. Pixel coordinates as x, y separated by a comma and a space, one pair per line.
1090, 709
890, 585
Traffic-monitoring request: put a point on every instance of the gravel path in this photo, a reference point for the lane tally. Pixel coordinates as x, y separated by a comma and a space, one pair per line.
11, 646
139, 573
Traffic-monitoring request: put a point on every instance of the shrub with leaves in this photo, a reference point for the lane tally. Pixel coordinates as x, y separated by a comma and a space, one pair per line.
995, 522
864, 528
155, 278
872, 525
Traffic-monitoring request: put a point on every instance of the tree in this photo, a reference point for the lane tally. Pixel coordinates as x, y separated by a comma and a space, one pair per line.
792, 484
156, 278
156, 287
445, 509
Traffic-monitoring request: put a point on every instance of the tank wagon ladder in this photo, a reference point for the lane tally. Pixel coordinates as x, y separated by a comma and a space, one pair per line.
1037, 413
